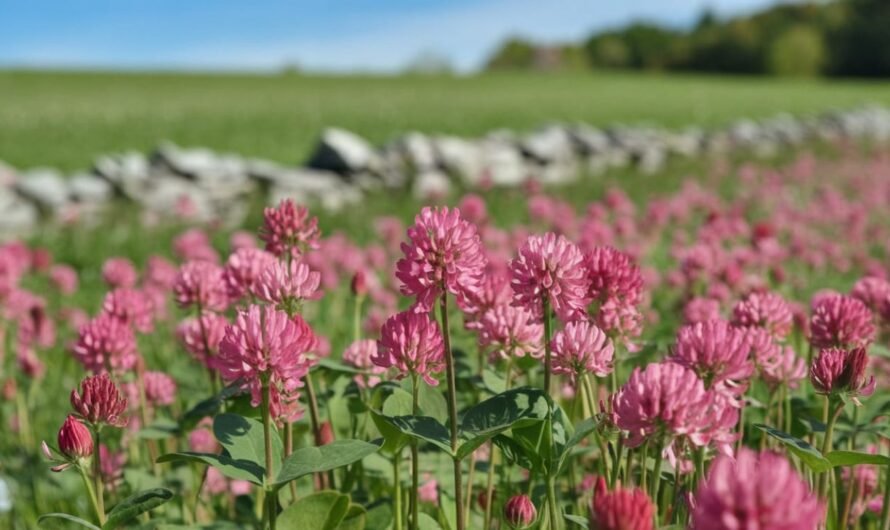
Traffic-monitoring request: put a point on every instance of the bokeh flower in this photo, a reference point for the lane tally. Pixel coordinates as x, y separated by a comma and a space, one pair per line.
106, 343
613, 275
201, 284
243, 269
130, 306
507, 331
119, 272
717, 352
754, 491
287, 284
359, 355
764, 310
201, 338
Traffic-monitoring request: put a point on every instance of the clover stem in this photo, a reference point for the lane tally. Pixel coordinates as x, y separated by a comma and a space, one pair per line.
91, 492
452, 412
397, 490
415, 456
267, 438
827, 442
97, 475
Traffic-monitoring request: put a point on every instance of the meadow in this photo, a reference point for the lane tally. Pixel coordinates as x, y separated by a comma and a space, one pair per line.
66, 119
699, 348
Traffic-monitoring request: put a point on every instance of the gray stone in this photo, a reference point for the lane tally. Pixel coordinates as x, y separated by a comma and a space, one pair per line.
89, 188
431, 184
548, 145
502, 163
45, 187
344, 152
19, 216
589, 140
126, 171
418, 151
170, 195
460, 157
8, 174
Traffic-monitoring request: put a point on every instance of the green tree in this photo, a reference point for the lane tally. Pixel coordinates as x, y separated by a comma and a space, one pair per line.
799, 52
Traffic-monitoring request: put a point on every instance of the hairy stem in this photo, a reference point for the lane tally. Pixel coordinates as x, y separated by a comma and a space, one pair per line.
397, 491
271, 501
97, 475
452, 411
415, 459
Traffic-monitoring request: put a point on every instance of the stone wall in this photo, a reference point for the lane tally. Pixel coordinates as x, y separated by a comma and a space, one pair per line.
207, 185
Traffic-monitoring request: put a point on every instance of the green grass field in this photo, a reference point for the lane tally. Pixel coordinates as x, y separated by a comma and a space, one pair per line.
65, 119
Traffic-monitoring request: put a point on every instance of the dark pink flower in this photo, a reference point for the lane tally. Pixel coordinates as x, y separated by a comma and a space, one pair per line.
780, 365
106, 343
119, 272
412, 343
613, 275
663, 399
75, 440
288, 229
444, 254
764, 310
99, 401
840, 321
875, 293
201, 440
520, 512
550, 268
201, 337
620, 509
243, 270
493, 292
264, 344
700, 309
841, 371
718, 353
506, 331
754, 491
242, 239
286, 285
132, 307
201, 284
580, 349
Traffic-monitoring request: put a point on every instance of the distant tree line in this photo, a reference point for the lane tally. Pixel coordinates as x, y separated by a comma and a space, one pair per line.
835, 38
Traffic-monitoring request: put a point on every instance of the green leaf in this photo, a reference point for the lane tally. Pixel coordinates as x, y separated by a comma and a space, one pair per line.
493, 381
399, 403
235, 469
432, 402
423, 428
309, 460
379, 517
577, 519
356, 518
207, 407
808, 454
425, 522
67, 517
515, 407
159, 430
582, 430
852, 458
320, 511
336, 366
515, 453
136, 504
243, 440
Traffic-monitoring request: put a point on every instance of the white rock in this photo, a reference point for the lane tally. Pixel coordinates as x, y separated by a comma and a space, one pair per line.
18, 216
46, 187
344, 152
460, 157
431, 184
549, 145
89, 188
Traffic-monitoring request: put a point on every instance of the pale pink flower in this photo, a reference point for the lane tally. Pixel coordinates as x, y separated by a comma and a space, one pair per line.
780, 365
64, 278
429, 490
119, 272
494, 291
201, 284
413, 344
840, 371
621, 321
201, 439
106, 344
201, 338
194, 245
100, 401
874, 293
700, 309
444, 255
359, 355
264, 344
664, 399
764, 310
506, 331
580, 349
473, 208
160, 388
160, 273
550, 269
288, 229
287, 285
620, 509
754, 491
243, 270
130, 306
112, 467
242, 239
718, 353
840, 321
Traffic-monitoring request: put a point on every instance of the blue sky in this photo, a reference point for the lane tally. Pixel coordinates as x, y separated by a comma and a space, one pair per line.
335, 35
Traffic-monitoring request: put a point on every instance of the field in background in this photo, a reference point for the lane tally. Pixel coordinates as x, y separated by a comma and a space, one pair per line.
66, 119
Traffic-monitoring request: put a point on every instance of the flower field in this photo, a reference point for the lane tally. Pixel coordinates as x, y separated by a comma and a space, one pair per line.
709, 355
